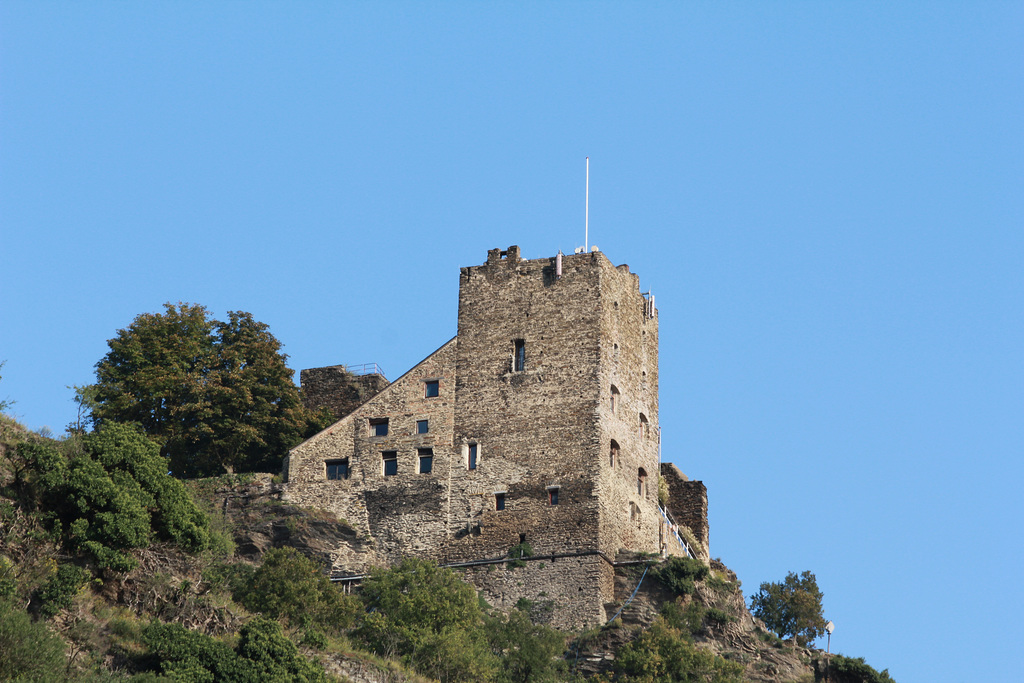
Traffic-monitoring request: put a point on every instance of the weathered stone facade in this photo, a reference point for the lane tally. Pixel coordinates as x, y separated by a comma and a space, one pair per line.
537, 424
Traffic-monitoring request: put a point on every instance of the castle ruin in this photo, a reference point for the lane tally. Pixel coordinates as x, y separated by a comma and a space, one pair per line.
535, 426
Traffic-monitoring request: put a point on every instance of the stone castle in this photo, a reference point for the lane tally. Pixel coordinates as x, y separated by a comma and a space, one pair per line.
535, 428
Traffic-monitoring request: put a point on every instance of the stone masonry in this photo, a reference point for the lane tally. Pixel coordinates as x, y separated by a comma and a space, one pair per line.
537, 425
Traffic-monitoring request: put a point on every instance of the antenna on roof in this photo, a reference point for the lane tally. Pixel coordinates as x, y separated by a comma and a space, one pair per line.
586, 219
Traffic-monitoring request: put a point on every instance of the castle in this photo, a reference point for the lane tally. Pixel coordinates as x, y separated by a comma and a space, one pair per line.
535, 428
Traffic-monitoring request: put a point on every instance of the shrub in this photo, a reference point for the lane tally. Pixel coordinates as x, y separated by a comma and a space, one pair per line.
289, 585
58, 592
849, 670
663, 654
28, 650
517, 553
679, 574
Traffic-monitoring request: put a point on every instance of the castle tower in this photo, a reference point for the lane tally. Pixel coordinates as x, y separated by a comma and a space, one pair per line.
534, 430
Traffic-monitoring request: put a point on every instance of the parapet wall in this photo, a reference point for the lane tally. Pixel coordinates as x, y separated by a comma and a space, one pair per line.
688, 505
338, 389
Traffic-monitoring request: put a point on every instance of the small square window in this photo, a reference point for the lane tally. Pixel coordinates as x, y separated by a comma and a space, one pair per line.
426, 460
553, 496
422, 426
472, 456
431, 388
379, 426
337, 469
499, 501
390, 463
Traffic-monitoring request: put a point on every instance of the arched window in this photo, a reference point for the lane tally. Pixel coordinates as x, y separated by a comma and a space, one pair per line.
645, 427
613, 453
641, 483
615, 398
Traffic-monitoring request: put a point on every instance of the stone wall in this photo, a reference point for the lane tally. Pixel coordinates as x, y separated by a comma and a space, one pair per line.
688, 505
338, 389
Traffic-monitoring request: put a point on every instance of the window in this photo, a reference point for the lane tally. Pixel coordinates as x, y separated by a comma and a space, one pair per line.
431, 388
472, 456
613, 454
390, 463
641, 483
426, 460
615, 398
422, 427
379, 426
553, 495
499, 501
645, 427
337, 469
518, 355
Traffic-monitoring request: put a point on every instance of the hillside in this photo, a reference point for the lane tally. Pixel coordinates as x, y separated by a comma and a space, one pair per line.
64, 612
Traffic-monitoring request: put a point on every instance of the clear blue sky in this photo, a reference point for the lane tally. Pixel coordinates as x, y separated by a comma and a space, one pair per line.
826, 198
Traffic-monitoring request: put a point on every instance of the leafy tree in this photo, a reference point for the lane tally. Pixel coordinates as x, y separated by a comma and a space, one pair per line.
215, 395
292, 586
28, 650
855, 670
430, 618
663, 654
791, 608
529, 653
112, 495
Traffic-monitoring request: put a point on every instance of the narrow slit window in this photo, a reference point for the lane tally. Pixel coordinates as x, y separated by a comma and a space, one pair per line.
422, 426
426, 460
390, 459
645, 427
472, 456
641, 483
337, 469
615, 398
379, 426
499, 501
518, 355
431, 388
553, 496
613, 453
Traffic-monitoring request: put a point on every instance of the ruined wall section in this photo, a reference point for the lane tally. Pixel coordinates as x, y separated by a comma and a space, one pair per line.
688, 505
405, 513
536, 427
628, 415
338, 389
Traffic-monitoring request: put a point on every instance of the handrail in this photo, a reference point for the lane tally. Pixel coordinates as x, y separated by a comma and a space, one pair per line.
365, 369
683, 544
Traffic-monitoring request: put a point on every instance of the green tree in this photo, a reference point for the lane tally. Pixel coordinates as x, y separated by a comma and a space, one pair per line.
112, 495
292, 586
430, 618
215, 395
791, 608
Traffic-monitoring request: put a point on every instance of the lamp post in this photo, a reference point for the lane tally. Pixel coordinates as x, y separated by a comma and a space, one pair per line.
829, 627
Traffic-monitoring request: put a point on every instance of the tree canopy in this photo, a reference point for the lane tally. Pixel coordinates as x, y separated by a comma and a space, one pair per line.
791, 608
215, 395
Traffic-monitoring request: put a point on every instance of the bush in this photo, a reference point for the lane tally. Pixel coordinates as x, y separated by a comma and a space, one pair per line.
528, 652
663, 654
429, 618
28, 650
680, 574
291, 586
58, 592
517, 553
849, 670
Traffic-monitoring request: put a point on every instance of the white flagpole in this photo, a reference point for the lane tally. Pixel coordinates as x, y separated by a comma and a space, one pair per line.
586, 223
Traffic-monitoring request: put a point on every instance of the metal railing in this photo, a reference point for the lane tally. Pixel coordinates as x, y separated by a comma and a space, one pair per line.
365, 369
672, 526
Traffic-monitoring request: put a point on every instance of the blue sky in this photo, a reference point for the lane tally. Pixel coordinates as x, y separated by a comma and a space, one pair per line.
826, 199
